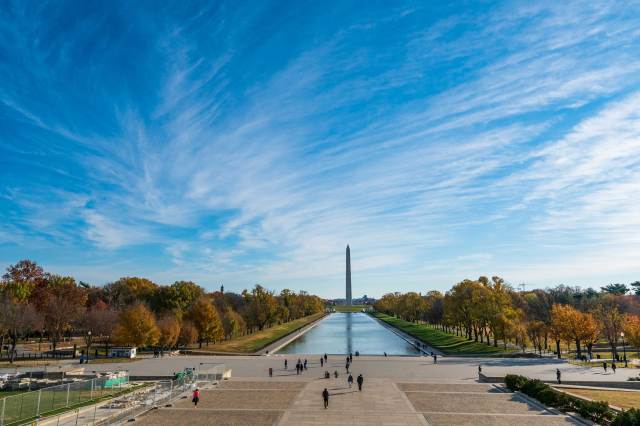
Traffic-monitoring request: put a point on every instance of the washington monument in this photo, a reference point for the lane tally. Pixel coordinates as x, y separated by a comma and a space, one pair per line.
349, 302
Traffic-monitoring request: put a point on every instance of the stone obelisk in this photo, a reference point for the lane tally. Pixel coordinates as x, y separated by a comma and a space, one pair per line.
349, 302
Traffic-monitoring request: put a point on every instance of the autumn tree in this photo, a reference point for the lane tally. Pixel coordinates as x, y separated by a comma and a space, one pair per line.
99, 322
262, 307
574, 326
137, 327
61, 303
21, 278
176, 298
17, 319
128, 291
610, 321
169, 327
206, 320
632, 331
188, 333
232, 323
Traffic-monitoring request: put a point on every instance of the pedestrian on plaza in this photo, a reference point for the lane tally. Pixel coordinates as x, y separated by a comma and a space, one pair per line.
305, 363
335, 373
196, 398
613, 367
360, 382
325, 398
321, 362
558, 376
604, 365
285, 364
325, 357
385, 354
479, 369
350, 357
435, 358
347, 367
350, 380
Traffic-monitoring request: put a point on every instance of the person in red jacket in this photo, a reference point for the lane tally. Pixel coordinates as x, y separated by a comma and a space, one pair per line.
196, 397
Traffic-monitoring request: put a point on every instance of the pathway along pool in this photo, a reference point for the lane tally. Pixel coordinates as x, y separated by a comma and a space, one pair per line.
343, 333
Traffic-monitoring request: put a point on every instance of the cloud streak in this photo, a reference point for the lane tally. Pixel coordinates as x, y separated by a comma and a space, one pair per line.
439, 144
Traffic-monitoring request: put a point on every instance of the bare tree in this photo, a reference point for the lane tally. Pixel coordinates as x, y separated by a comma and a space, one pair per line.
17, 320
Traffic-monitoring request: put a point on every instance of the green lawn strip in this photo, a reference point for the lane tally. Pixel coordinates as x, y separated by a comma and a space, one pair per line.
352, 308
449, 344
256, 341
54, 402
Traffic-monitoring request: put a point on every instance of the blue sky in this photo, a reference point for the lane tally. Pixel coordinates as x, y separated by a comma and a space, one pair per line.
249, 142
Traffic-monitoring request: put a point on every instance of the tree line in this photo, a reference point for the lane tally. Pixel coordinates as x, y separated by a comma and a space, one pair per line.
136, 311
491, 311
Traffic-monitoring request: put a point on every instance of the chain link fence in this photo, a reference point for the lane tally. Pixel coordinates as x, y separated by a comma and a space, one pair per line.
21, 408
127, 400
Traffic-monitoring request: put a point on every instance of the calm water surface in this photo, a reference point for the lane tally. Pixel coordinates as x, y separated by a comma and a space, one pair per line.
342, 333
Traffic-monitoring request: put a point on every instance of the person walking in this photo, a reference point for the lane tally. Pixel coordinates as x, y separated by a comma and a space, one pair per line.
435, 358
196, 398
479, 369
350, 381
285, 364
321, 362
613, 367
335, 373
360, 382
350, 357
325, 398
305, 363
325, 357
558, 376
347, 367
604, 365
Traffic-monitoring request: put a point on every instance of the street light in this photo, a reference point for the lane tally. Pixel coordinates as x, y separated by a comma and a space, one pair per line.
624, 349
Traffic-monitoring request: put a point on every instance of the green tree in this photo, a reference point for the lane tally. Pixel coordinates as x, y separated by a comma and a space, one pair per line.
618, 289
129, 291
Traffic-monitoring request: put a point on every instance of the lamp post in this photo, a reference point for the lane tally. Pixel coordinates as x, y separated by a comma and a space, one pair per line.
624, 349
88, 345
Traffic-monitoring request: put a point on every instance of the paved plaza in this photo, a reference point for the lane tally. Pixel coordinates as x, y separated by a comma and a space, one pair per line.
298, 402
458, 368
397, 391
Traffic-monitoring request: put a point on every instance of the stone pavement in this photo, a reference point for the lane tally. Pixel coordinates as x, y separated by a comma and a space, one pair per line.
376, 367
382, 402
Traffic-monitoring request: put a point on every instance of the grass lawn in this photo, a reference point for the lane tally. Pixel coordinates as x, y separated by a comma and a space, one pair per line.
449, 344
622, 399
258, 340
352, 308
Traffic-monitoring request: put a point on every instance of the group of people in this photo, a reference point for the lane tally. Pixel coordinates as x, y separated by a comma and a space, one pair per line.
300, 365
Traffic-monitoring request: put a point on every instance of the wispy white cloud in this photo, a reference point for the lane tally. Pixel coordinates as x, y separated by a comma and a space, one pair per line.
472, 145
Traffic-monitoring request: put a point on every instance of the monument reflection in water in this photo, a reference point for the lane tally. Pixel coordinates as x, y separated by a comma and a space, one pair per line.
343, 333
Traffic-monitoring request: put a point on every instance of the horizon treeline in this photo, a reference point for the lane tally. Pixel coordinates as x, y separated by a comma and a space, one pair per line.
489, 310
136, 311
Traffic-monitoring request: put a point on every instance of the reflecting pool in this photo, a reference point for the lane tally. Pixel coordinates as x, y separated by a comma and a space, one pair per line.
343, 333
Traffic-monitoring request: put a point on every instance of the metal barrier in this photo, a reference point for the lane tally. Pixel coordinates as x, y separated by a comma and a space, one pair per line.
31, 405
124, 405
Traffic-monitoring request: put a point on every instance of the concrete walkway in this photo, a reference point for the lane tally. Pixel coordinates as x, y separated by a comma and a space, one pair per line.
298, 402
